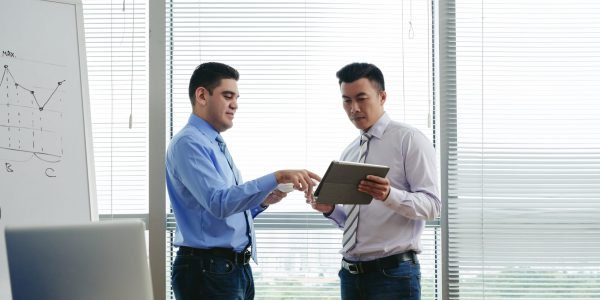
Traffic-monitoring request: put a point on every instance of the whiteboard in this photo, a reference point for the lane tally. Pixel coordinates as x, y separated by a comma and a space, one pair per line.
46, 162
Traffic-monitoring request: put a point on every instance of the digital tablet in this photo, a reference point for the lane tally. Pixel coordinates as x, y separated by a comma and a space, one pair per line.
340, 182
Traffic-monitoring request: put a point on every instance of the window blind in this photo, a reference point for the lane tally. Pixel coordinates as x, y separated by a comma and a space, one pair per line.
116, 46
524, 149
290, 111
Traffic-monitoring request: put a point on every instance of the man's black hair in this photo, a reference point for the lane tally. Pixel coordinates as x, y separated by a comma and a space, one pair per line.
208, 75
355, 71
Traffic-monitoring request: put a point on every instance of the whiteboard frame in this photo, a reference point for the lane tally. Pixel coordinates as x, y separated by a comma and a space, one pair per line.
85, 97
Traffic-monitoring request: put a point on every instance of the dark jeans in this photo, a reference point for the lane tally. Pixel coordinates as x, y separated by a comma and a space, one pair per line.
209, 276
399, 283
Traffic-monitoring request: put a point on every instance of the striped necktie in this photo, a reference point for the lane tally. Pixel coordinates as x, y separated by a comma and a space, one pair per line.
247, 214
349, 237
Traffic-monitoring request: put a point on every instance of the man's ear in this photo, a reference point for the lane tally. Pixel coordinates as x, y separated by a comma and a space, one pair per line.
383, 96
201, 94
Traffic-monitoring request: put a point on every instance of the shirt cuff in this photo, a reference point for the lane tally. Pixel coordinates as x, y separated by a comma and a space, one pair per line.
337, 216
267, 182
393, 200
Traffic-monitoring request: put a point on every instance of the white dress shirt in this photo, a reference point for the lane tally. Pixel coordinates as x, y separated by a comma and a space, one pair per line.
396, 224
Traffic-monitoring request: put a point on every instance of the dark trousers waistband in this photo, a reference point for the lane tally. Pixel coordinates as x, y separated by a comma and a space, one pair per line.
360, 267
242, 258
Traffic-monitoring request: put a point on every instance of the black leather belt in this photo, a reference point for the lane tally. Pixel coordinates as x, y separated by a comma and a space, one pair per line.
360, 267
242, 258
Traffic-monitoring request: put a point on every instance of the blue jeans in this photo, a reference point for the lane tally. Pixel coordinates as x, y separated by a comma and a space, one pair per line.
209, 276
399, 283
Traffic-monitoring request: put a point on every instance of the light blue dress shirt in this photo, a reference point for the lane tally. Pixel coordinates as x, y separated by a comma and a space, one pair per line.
209, 207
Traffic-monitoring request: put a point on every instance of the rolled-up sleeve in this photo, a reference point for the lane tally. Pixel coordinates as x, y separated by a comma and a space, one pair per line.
422, 200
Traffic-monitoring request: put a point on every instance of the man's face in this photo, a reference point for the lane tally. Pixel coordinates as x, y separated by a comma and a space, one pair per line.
363, 103
219, 108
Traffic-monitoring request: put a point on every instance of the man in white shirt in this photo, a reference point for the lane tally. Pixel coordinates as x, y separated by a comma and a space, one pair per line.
382, 239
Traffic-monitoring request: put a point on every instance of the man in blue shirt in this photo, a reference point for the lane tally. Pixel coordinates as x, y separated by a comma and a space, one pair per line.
213, 207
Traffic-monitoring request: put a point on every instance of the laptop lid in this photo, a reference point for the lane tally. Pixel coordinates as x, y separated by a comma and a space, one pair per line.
104, 260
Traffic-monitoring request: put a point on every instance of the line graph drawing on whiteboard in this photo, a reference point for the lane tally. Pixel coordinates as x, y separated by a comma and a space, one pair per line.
30, 117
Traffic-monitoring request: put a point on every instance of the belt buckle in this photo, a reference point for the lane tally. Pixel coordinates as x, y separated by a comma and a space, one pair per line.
353, 268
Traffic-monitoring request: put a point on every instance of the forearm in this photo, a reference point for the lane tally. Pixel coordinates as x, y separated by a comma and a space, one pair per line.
420, 205
229, 201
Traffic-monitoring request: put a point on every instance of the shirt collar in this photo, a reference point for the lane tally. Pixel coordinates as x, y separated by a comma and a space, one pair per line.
203, 126
379, 127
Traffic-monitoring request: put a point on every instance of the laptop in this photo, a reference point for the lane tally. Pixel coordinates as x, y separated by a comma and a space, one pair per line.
103, 260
